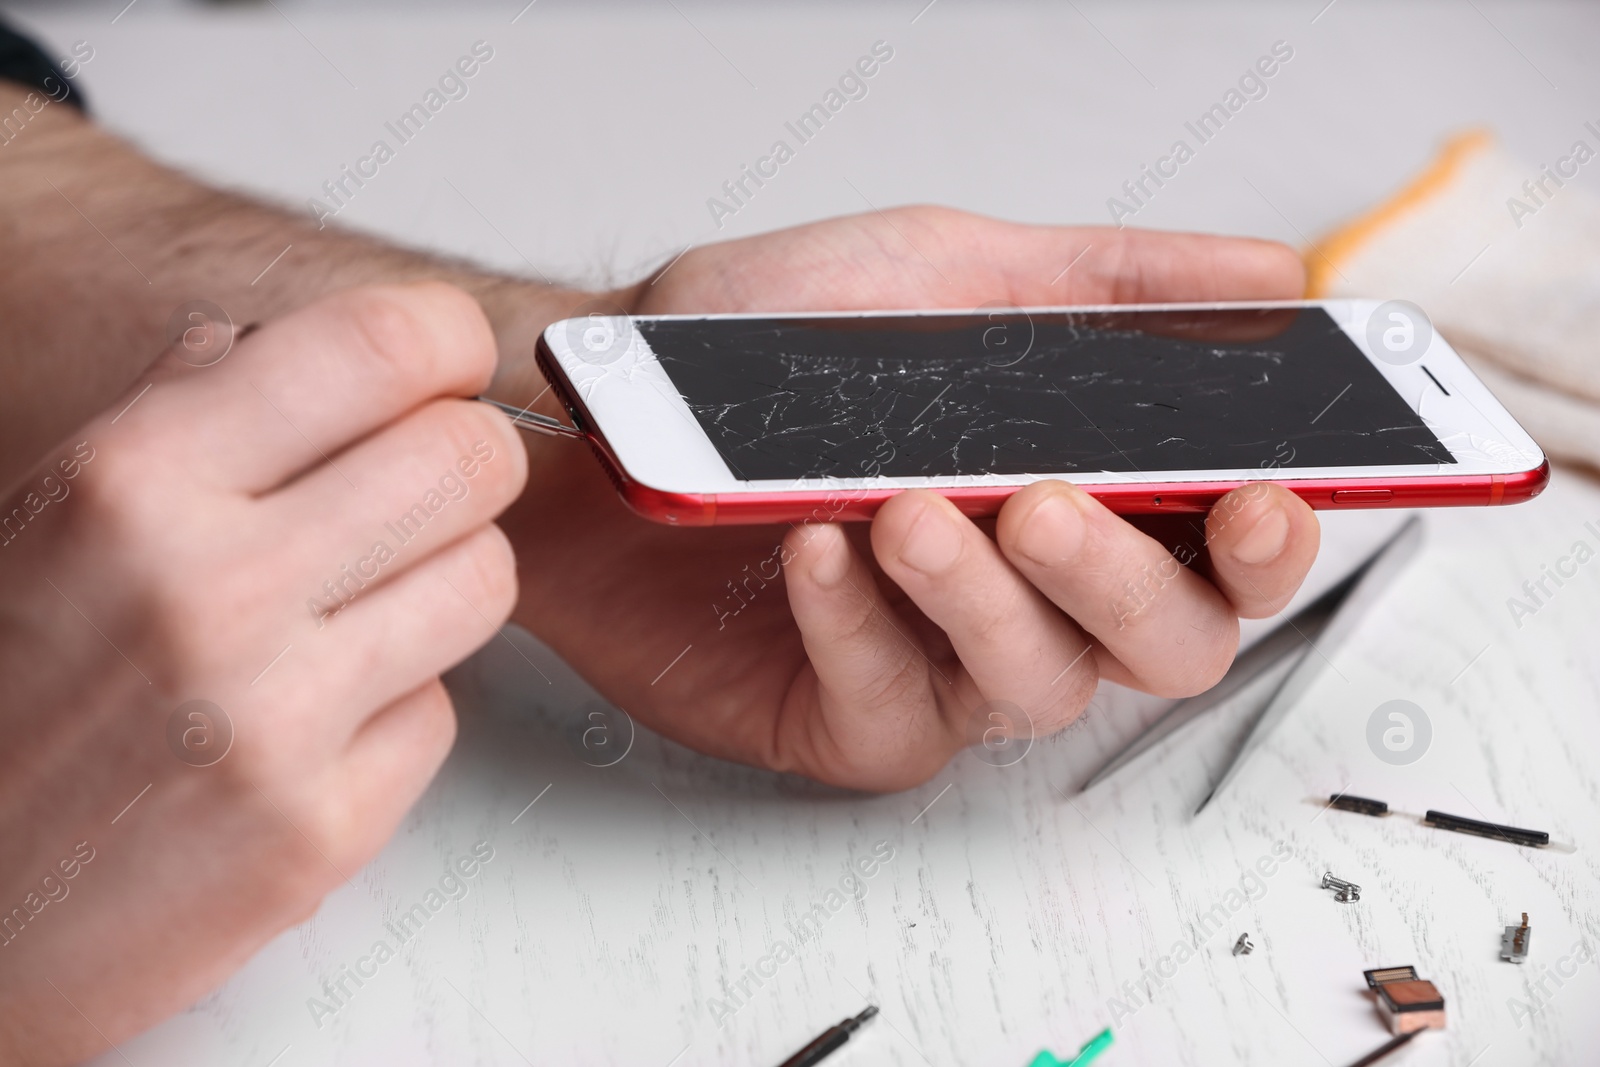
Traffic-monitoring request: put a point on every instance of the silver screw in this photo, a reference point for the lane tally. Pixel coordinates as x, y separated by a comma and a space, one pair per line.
1243, 947
1344, 892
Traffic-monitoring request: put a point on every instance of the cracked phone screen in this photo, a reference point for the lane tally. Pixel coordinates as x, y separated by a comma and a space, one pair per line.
1011, 392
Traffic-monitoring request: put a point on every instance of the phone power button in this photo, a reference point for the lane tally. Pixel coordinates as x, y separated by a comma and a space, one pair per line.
1362, 496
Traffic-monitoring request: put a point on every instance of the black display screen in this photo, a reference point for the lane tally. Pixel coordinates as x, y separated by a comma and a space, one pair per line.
1041, 393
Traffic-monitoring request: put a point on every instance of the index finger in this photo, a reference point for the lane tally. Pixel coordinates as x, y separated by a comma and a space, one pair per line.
1154, 267
1101, 265
303, 387
924, 256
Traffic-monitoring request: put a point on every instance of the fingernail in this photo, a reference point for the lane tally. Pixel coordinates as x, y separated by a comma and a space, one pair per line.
1263, 541
933, 542
833, 556
1053, 533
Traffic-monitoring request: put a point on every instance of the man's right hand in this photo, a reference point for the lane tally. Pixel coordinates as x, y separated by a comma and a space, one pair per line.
217, 539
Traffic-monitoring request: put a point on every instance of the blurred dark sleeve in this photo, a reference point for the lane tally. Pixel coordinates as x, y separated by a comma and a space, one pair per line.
24, 62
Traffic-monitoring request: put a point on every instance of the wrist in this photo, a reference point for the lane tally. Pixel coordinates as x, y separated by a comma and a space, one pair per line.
519, 312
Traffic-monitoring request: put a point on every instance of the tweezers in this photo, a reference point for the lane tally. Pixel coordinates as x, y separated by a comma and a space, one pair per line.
1307, 638
523, 419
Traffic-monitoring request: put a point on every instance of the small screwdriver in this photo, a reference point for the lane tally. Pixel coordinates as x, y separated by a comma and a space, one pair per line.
829, 1041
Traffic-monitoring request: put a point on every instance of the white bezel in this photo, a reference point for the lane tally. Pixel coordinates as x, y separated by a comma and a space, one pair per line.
635, 407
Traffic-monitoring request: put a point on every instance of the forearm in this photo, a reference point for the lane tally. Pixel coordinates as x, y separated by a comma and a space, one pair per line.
103, 245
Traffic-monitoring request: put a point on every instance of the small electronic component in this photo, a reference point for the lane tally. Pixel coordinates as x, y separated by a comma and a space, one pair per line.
1516, 835
1443, 821
1408, 1002
1514, 942
1359, 805
1344, 892
1243, 947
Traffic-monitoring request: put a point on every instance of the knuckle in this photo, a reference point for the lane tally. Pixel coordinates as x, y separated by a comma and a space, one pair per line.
481, 460
436, 717
180, 585
1120, 269
1064, 683
460, 327
435, 725
463, 425
425, 332
856, 624
489, 566
1253, 604
1065, 701
362, 659
288, 879
1082, 682
932, 215
184, 619
1202, 667
343, 825
1131, 610
313, 825
118, 495
1137, 596
924, 222
326, 826
992, 616
902, 686
389, 329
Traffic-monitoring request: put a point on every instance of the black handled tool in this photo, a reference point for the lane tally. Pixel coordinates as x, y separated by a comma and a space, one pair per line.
829, 1041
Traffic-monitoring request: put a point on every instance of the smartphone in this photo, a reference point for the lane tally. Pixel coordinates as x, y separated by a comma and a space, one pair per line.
783, 418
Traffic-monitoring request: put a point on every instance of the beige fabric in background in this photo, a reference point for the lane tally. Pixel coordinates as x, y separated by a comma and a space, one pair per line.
1505, 258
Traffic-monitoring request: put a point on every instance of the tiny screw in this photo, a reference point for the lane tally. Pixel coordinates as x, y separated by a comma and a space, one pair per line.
1243, 947
1345, 892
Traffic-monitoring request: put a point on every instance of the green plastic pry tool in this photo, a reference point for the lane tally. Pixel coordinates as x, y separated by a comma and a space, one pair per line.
1086, 1055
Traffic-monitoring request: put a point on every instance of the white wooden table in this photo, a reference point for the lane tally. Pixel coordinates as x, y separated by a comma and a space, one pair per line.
619, 913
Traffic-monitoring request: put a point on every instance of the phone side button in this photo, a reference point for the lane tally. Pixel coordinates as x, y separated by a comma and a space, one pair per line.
1362, 496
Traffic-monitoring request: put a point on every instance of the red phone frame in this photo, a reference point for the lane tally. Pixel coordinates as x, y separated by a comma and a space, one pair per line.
1144, 498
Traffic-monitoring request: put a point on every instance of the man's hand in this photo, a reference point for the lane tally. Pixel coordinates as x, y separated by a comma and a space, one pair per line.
868, 661
299, 535
80, 321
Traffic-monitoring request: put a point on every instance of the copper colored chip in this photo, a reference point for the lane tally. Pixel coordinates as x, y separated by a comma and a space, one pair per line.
1412, 1005
1417, 995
